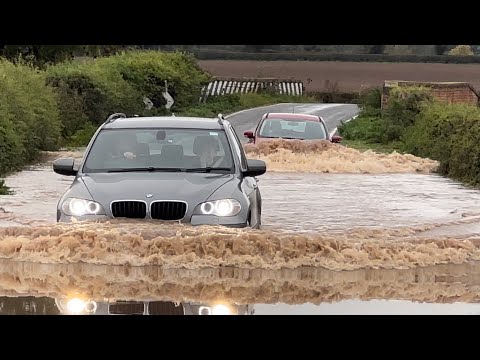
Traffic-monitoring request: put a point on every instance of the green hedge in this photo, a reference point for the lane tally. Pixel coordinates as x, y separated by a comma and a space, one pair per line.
415, 123
90, 90
390, 125
308, 56
29, 118
449, 133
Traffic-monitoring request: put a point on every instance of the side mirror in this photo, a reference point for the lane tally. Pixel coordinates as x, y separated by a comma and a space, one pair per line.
248, 134
336, 139
255, 168
65, 166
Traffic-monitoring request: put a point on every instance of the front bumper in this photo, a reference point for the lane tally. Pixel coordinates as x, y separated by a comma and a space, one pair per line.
196, 220
230, 221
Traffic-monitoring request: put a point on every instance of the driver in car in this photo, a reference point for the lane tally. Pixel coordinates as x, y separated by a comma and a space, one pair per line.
206, 151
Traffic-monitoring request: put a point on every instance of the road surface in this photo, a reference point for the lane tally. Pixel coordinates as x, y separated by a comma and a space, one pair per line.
331, 113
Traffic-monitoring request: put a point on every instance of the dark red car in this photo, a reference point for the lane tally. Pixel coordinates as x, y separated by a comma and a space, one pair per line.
290, 126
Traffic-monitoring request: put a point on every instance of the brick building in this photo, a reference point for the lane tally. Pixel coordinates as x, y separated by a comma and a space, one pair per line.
452, 92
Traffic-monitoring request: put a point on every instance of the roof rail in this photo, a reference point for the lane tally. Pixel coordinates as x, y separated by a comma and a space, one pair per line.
220, 119
114, 117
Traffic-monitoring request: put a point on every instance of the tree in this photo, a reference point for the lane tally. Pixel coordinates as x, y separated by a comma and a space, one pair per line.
376, 49
440, 49
40, 54
254, 48
461, 50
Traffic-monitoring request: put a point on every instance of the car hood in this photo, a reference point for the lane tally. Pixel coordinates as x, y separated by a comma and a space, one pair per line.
189, 187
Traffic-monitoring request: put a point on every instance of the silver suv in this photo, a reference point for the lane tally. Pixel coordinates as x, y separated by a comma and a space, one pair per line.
184, 169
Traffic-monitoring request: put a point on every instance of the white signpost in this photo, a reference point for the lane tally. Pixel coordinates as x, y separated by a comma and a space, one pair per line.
148, 103
168, 97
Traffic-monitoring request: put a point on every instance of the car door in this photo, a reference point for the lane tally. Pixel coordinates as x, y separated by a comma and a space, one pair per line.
259, 126
249, 184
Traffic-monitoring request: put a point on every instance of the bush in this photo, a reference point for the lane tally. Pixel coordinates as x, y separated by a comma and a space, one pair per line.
334, 97
370, 129
90, 90
83, 136
29, 119
4, 190
449, 133
461, 50
404, 104
147, 72
377, 126
371, 98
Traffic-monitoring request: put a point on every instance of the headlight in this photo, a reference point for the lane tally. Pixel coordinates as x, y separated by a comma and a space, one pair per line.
224, 207
80, 207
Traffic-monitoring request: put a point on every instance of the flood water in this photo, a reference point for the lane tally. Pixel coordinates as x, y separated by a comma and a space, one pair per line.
333, 241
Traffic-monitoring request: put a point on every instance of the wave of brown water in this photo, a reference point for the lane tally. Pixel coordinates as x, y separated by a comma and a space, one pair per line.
439, 284
181, 246
326, 157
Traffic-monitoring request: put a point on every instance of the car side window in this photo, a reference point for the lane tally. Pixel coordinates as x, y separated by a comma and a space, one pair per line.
239, 149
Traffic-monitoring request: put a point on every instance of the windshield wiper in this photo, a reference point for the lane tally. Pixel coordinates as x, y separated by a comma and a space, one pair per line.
208, 169
146, 169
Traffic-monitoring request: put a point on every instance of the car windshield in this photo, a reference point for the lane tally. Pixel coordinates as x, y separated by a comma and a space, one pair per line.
193, 150
281, 128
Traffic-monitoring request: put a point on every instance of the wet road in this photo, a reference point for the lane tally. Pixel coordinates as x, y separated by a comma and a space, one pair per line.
313, 203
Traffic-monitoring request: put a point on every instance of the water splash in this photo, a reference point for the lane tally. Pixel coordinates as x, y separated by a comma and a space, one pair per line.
326, 157
182, 246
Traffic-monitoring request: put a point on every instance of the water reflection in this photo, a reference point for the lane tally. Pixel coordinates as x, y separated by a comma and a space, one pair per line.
30, 305
85, 289
78, 306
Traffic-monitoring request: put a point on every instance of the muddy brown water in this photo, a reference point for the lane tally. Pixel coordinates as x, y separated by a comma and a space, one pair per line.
378, 234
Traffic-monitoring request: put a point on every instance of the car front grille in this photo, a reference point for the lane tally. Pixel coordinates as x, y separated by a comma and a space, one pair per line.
164, 308
126, 308
129, 209
168, 210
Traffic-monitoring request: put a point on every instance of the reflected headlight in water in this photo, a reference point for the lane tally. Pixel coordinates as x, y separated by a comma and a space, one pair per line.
219, 309
77, 306
224, 207
81, 207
